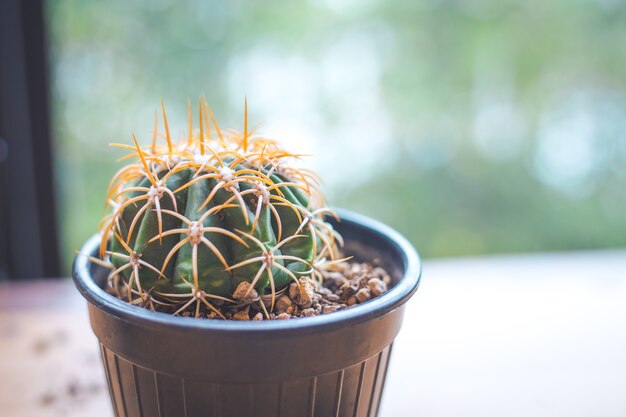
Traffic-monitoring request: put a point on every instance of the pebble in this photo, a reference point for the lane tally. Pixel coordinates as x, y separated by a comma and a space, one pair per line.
347, 290
242, 289
329, 308
283, 303
363, 295
324, 291
333, 298
293, 291
258, 316
376, 286
305, 293
379, 271
308, 312
283, 316
337, 277
242, 314
382, 274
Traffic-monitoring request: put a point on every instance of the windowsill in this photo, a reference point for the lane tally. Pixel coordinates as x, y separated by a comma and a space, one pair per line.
532, 335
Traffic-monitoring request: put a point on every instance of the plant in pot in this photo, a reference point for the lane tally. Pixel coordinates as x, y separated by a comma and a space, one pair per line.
220, 284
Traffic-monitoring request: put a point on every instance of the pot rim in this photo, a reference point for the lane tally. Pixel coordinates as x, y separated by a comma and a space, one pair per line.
378, 306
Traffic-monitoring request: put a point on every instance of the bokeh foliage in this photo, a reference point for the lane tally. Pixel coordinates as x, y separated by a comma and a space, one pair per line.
471, 126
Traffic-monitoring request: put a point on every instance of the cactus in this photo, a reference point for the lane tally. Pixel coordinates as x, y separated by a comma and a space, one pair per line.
191, 221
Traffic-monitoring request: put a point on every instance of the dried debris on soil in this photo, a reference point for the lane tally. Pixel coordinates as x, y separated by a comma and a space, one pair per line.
343, 285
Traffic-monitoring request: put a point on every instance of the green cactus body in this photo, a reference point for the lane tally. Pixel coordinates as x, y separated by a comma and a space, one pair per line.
212, 274
191, 223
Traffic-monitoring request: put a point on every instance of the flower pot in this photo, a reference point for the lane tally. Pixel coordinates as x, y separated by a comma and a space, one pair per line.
329, 365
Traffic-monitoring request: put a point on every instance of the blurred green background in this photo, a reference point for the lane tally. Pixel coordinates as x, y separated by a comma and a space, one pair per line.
472, 127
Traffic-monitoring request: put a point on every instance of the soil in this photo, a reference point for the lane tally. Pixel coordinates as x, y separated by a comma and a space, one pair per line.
340, 286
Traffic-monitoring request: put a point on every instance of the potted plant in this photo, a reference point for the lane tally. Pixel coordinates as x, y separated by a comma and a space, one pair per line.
202, 280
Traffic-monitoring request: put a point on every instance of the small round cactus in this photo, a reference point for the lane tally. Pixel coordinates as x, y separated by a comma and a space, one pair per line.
191, 221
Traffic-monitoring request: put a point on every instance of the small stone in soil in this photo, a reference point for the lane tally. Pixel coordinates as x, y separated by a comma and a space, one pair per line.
363, 295
347, 290
337, 278
293, 291
308, 312
330, 308
306, 292
283, 316
333, 298
376, 286
382, 274
324, 291
283, 303
242, 289
242, 314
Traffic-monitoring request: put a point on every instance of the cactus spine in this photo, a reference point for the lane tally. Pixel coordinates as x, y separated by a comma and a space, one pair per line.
190, 221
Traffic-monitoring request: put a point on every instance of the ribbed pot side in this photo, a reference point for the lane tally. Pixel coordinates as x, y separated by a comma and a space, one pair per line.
329, 365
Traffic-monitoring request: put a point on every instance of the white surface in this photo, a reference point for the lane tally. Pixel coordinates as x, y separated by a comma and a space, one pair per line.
524, 335
536, 335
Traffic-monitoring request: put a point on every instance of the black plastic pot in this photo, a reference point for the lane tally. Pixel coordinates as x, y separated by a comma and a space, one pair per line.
330, 365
